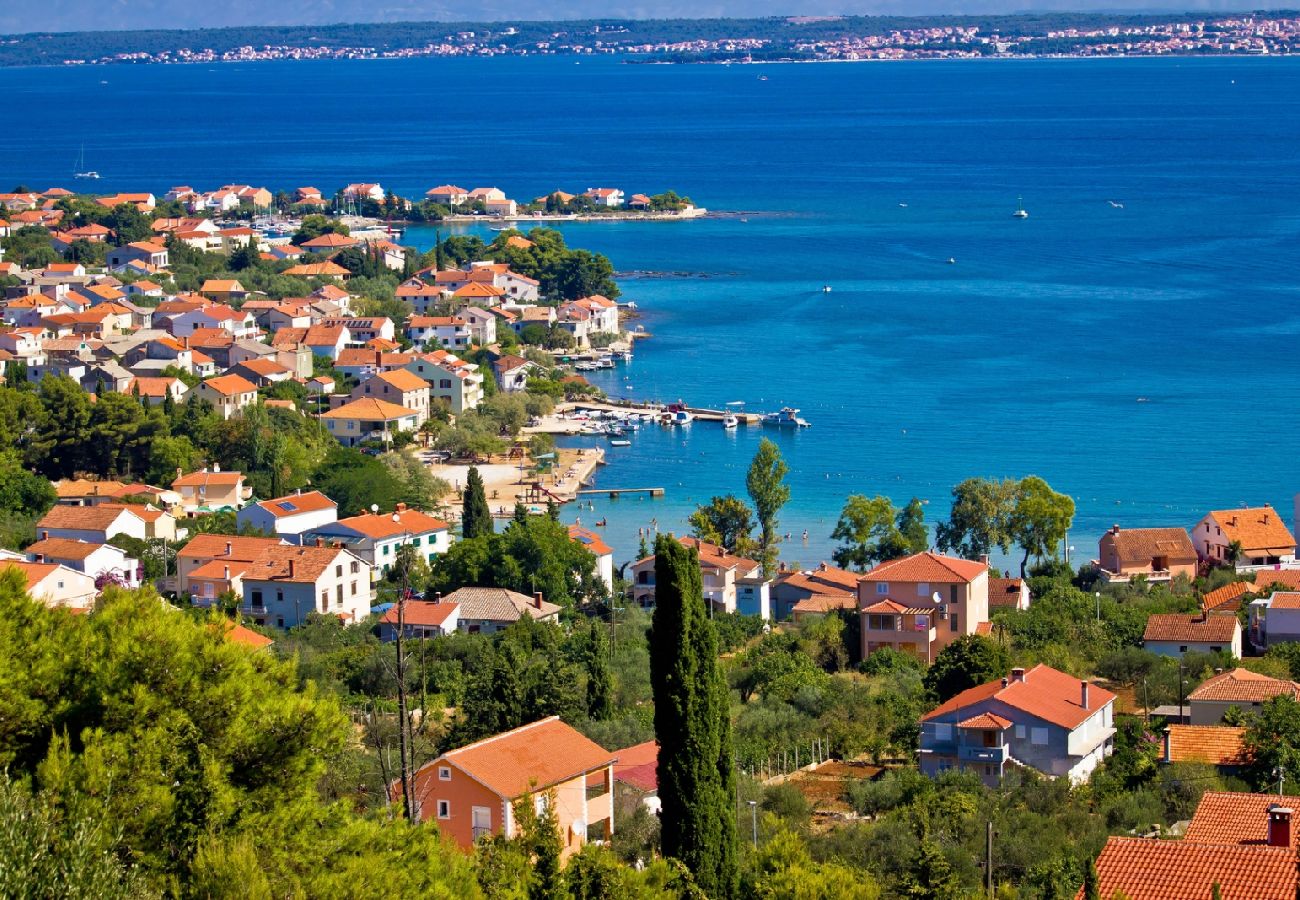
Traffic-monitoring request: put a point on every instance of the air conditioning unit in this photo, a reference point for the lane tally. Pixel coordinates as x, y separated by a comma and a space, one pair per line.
943, 616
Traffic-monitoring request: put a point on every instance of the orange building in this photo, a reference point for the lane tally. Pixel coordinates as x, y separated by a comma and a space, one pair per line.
471, 792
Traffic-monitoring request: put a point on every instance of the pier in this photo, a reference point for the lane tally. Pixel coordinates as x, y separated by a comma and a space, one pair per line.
617, 405
614, 492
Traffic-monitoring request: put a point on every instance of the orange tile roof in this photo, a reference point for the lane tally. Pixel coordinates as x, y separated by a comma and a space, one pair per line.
80, 518
927, 567
237, 547
590, 540
1004, 592
1145, 869
1044, 692
985, 720
317, 269
420, 612
1138, 546
1228, 597
263, 367
378, 526
528, 759
1266, 578
1229, 817
62, 548
35, 573
299, 565
229, 385
1243, 686
203, 477
296, 504
816, 604
152, 386
717, 557
330, 241
1218, 745
1284, 600
477, 289
1255, 528
402, 379
369, 409
224, 569
1192, 628
247, 636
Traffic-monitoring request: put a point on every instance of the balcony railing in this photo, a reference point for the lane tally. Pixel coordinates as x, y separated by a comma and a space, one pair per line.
983, 754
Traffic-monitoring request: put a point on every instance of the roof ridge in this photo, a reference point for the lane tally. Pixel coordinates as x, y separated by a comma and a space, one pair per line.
512, 732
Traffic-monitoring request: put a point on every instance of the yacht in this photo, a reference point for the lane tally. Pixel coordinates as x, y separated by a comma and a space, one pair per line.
729, 418
678, 414
1021, 212
787, 417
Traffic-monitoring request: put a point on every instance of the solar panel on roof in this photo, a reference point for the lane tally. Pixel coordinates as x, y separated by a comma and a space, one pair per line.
286, 506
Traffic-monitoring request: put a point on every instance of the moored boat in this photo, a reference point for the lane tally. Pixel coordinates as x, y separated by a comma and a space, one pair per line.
786, 417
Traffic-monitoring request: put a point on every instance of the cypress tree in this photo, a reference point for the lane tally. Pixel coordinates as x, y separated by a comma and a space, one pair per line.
1091, 887
600, 686
692, 725
476, 517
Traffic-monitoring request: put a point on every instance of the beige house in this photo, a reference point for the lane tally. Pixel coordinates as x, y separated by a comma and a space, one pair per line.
216, 558
229, 394
1257, 532
1247, 691
55, 585
211, 490
399, 386
1157, 554
920, 604
452, 381
368, 420
731, 583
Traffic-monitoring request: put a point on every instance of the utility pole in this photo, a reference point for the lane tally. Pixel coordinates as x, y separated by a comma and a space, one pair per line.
1280, 773
753, 818
988, 859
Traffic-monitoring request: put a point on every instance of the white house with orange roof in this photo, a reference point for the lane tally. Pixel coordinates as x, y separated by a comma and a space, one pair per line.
448, 195
368, 419
1274, 619
327, 340
364, 191
154, 390
237, 323
376, 537
211, 490
208, 564
608, 197
286, 584
153, 253
921, 603
288, 517
482, 324
55, 585
452, 381
224, 290
731, 583
420, 294
418, 619
1258, 533
363, 328
92, 524
1040, 718
400, 386
451, 332
603, 552
104, 563
230, 395
471, 792
329, 243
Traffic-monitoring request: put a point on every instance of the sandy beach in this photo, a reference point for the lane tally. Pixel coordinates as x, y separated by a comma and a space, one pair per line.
504, 486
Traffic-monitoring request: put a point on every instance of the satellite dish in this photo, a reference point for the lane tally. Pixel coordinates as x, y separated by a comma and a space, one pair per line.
374, 507
936, 598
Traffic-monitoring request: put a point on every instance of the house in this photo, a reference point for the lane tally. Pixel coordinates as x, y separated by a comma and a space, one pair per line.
93, 524
1213, 745
153, 253
824, 588
400, 386
512, 372
419, 619
368, 419
1174, 634
1256, 534
216, 559
1246, 690
489, 610
1008, 593
1156, 554
471, 792
154, 390
325, 269
452, 332
104, 563
482, 324
636, 771
260, 372
921, 603
610, 197
1040, 718
55, 585
327, 340
376, 537
159, 524
1275, 619
223, 290
448, 195
210, 490
452, 381
731, 583
229, 394
362, 329
285, 584
364, 192
288, 517
603, 552
1241, 844
329, 243
420, 294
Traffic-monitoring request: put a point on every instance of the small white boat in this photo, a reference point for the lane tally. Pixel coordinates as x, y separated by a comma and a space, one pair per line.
952, 260
620, 443
729, 420
826, 288
605, 362
1021, 212
786, 417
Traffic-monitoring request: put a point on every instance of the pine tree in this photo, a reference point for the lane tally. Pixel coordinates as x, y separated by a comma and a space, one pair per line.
1091, 887
521, 512
476, 517
600, 685
692, 725
931, 876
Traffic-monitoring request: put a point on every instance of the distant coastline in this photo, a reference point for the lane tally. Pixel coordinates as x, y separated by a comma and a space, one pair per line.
790, 39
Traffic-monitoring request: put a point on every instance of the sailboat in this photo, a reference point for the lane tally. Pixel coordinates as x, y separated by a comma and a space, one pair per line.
1021, 212
80, 170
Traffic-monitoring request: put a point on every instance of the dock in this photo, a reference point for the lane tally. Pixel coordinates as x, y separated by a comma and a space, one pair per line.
620, 405
614, 492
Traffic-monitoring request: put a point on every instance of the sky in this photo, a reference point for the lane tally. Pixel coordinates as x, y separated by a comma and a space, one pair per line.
19, 16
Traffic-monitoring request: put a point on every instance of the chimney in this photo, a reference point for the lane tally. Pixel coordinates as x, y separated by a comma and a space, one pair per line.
1114, 529
290, 568
537, 599
1279, 826
401, 507
1083, 694
822, 567
437, 596
230, 548
1017, 674
216, 468
320, 541
179, 472
984, 559
225, 573
1004, 681
45, 535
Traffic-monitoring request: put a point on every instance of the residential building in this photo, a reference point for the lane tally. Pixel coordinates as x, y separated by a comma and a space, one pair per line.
368, 419
452, 381
211, 490
92, 524
471, 792
376, 537
1040, 718
1214, 745
731, 583
234, 552
419, 619
451, 332
230, 395
285, 584
154, 390
448, 195
921, 603
400, 386
1155, 554
1175, 634
489, 610
482, 324
1241, 688
104, 563
1008, 593
1275, 619
512, 373
1256, 535
596, 545
611, 197
55, 585
823, 588
288, 517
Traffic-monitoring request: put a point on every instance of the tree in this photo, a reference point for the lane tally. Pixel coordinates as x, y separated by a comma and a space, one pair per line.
969, 661
930, 876
980, 519
692, 725
1040, 519
866, 532
22, 492
727, 522
476, 516
911, 526
1272, 743
766, 485
600, 683
1091, 885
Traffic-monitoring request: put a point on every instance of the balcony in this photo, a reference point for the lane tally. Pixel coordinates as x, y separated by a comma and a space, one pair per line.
996, 755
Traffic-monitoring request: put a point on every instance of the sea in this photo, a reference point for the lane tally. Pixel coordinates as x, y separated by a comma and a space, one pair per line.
1135, 340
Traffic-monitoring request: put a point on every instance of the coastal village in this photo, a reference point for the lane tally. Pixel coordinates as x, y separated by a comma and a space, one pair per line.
198, 305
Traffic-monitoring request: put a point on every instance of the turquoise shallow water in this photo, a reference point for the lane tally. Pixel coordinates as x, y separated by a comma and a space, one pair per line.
1028, 355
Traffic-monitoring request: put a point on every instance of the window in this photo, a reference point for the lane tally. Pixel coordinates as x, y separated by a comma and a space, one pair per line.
444, 773
942, 731
882, 587
257, 598
922, 589
1020, 732
279, 621
356, 567
1038, 736
1182, 649
539, 803
324, 601
952, 593
338, 571
444, 809
279, 596
387, 549
952, 621
338, 596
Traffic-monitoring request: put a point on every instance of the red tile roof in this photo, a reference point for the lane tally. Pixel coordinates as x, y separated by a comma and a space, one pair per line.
423, 613
1256, 528
62, 548
403, 521
1145, 869
1266, 578
1229, 817
1138, 546
296, 504
214, 546
299, 565
1284, 600
1217, 745
1192, 628
1228, 597
1243, 686
1005, 592
927, 567
638, 766
590, 540
985, 720
1043, 693
81, 518
528, 759
203, 478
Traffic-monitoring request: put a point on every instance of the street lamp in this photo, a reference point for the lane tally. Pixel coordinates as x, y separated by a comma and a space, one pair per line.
1098, 595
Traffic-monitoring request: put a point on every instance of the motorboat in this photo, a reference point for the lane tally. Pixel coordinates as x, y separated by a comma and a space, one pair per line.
786, 417
729, 420
1021, 212
678, 414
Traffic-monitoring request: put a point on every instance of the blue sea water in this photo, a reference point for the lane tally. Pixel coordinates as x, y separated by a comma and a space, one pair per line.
1142, 359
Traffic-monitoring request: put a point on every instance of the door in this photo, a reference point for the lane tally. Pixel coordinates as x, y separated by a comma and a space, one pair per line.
481, 821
